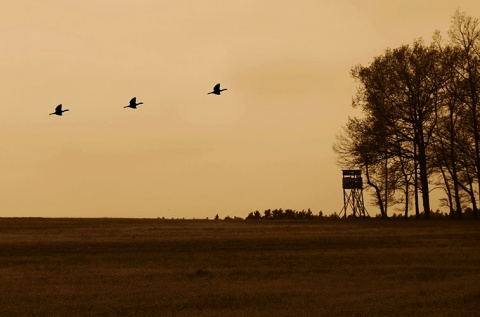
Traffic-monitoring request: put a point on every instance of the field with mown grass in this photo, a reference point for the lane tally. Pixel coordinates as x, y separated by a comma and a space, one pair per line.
150, 267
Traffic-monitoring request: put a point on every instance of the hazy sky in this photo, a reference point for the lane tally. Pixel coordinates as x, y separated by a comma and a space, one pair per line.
264, 143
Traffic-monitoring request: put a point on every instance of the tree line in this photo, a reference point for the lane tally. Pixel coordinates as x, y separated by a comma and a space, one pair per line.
287, 214
420, 123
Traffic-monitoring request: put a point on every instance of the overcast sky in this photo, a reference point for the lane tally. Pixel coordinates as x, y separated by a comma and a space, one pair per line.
264, 143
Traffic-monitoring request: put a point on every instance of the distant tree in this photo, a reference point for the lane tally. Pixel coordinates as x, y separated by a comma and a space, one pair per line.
254, 215
216, 217
287, 214
334, 216
309, 214
277, 214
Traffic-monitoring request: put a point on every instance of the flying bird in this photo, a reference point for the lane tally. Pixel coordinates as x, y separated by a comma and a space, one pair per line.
133, 103
217, 90
58, 110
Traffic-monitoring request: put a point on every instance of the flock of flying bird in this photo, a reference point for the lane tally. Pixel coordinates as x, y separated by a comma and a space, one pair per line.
133, 102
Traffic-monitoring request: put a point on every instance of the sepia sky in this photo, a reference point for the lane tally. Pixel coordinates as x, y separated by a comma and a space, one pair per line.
264, 143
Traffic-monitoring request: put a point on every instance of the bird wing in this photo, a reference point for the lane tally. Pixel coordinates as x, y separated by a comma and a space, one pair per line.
58, 108
217, 87
133, 101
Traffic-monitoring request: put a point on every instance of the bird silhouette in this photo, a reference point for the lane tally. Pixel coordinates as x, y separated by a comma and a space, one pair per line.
58, 110
217, 90
133, 103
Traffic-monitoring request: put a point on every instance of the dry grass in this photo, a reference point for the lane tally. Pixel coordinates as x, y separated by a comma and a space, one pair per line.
130, 267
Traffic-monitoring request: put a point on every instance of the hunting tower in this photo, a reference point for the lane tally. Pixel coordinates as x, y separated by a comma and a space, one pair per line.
353, 194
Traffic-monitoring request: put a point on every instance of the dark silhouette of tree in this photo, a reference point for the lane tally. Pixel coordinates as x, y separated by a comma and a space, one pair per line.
278, 214
290, 214
287, 214
420, 124
254, 215
456, 135
400, 89
445, 133
464, 36
360, 145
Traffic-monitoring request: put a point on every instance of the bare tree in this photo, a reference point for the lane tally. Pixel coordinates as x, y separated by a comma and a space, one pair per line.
402, 86
464, 36
362, 144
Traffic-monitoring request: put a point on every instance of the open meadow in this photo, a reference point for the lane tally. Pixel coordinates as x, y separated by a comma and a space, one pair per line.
150, 267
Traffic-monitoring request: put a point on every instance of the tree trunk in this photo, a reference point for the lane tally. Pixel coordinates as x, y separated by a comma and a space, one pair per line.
448, 190
415, 187
477, 154
377, 192
453, 159
422, 161
407, 201
474, 203
386, 187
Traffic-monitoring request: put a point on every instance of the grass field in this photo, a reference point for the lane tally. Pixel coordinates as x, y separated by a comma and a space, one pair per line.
147, 267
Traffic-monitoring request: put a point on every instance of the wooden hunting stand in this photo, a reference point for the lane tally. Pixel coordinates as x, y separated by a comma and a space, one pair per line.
353, 194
